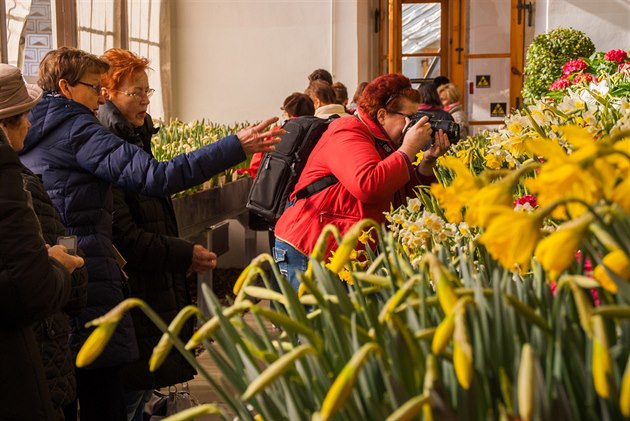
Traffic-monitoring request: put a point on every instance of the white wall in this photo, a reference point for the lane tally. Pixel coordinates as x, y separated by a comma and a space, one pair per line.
236, 60
605, 22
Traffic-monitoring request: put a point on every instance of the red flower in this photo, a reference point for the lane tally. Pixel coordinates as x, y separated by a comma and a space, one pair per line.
581, 77
618, 56
528, 198
559, 84
574, 66
624, 67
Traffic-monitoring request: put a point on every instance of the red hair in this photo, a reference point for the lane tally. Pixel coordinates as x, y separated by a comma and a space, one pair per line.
122, 64
386, 91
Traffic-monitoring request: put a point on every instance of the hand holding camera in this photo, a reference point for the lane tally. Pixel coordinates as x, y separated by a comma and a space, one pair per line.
416, 136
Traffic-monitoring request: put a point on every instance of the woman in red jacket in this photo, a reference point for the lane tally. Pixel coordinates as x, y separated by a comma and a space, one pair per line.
372, 163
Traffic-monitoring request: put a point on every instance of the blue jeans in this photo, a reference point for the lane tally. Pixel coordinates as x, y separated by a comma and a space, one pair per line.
135, 400
290, 261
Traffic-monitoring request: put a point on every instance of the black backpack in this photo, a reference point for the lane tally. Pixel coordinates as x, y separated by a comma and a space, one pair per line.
280, 170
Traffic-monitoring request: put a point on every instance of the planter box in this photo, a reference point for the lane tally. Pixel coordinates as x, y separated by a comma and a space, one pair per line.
202, 219
198, 212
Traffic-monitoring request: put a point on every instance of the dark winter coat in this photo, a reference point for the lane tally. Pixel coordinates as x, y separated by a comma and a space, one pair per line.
79, 161
32, 287
145, 232
53, 332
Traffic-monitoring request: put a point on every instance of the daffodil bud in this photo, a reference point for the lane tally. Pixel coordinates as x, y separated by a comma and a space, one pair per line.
601, 364
344, 383
276, 369
526, 381
164, 346
617, 262
462, 352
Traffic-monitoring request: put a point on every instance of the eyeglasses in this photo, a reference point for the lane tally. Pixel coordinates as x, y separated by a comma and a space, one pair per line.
96, 87
138, 95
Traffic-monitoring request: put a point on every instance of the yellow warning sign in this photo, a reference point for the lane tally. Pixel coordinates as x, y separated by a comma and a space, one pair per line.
483, 81
498, 109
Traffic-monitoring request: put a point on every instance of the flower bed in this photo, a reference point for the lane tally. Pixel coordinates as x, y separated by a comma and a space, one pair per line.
178, 137
502, 292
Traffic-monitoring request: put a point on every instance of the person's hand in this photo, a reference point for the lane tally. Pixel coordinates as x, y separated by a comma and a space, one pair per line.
437, 149
439, 146
416, 137
202, 259
255, 139
60, 254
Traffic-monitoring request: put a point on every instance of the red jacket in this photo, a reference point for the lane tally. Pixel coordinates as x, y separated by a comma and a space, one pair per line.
370, 179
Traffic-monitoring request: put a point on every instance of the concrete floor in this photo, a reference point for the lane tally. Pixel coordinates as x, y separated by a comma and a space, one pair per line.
203, 391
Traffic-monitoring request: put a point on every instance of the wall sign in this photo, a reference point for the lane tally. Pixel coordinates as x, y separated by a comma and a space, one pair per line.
483, 81
498, 109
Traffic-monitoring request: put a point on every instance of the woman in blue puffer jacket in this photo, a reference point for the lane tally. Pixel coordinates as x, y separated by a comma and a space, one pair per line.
79, 161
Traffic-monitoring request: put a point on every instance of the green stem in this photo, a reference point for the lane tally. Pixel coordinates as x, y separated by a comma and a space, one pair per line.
179, 345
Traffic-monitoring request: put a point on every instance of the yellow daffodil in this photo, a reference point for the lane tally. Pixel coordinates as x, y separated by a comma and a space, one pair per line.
601, 362
366, 236
462, 352
620, 194
449, 201
511, 238
557, 251
463, 187
493, 161
482, 208
574, 176
624, 393
105, 327
617, 262
348, 244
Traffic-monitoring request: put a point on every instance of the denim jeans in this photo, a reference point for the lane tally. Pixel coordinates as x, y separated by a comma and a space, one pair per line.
290, 261
135, 401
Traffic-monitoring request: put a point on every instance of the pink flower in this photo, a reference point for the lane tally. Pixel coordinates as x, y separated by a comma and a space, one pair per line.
526, 199
559, 84
574, 66
618, 56
581, 77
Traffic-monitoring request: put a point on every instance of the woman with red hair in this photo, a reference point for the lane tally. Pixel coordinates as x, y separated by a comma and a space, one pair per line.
368, 160
145, 232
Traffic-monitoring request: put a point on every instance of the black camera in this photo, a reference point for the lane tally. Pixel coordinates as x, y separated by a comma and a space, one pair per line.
449, 127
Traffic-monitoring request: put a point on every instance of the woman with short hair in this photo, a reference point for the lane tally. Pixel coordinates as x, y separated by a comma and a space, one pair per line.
372, 163
79, 161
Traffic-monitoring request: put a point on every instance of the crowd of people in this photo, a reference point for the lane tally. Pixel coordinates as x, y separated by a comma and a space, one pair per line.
76, 160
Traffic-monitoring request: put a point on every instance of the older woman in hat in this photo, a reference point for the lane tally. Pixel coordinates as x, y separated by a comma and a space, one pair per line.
35, 278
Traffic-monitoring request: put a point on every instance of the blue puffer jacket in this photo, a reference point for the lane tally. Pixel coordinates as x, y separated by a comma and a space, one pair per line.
78, 161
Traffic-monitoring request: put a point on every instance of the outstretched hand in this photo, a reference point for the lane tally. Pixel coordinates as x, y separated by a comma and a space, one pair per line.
256, 138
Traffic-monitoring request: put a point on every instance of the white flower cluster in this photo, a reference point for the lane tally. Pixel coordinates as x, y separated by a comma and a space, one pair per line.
419, 230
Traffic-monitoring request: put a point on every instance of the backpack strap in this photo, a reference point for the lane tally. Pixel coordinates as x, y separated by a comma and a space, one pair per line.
316, 187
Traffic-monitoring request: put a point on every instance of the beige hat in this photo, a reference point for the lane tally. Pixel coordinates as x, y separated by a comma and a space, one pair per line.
16, 96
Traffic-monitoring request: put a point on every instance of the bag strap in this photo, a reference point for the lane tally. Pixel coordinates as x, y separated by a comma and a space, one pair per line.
316, 187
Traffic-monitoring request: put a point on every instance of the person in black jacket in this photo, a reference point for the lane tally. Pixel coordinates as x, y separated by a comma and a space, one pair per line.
145, 233
35, 278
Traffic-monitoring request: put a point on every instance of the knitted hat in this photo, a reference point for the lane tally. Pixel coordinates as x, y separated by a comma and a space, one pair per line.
16, 96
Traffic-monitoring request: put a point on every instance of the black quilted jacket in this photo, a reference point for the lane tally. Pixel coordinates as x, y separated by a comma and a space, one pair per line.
32, 287
52, 333
145, 232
